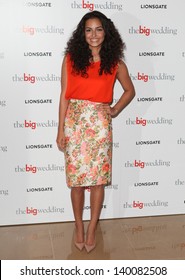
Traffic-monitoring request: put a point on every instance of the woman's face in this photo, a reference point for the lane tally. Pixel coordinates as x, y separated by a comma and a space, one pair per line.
94, 33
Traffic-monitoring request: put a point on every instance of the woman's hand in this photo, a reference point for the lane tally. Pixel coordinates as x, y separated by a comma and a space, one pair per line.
61, 141
110, 110
113, 112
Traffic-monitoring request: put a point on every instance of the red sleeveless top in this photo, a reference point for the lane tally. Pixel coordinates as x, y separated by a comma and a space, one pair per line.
95, 88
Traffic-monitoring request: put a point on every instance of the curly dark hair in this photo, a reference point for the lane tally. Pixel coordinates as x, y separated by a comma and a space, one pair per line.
112, 49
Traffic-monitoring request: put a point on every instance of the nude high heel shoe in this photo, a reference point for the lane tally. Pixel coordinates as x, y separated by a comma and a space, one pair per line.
89, 248
79, 246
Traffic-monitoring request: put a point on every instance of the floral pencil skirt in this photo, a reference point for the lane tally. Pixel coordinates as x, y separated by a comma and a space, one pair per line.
88, 144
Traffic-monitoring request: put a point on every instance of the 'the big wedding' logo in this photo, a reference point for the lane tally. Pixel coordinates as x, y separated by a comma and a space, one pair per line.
35, 211
143, 164
33, 125
141, 205
29, 168
144, 122
147, 31
29, 78
31, 30
90, 5
145, 77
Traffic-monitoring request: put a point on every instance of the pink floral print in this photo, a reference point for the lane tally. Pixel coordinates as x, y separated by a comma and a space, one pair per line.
88, 144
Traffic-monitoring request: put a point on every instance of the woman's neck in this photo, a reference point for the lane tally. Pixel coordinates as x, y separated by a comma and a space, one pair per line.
95, 54
96, 57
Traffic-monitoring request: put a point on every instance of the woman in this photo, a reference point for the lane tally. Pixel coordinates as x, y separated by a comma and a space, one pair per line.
92, 63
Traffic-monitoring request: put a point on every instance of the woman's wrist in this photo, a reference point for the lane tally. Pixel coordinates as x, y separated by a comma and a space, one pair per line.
60, 128
115, 111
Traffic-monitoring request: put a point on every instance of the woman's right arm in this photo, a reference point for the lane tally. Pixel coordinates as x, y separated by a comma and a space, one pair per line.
62, 107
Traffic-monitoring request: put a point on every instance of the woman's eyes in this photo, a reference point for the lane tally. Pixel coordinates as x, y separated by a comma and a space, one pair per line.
98, 29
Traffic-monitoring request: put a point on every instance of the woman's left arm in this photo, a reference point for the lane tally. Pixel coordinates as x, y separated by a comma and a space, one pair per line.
128, 87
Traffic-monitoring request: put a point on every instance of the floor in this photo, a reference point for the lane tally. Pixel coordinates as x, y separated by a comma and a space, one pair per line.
149, 238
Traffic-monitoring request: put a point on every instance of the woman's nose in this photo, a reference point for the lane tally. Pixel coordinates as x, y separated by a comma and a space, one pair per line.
94, 33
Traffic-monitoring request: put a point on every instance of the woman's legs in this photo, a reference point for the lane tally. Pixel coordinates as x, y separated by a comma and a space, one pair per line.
77, 198
96, 201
